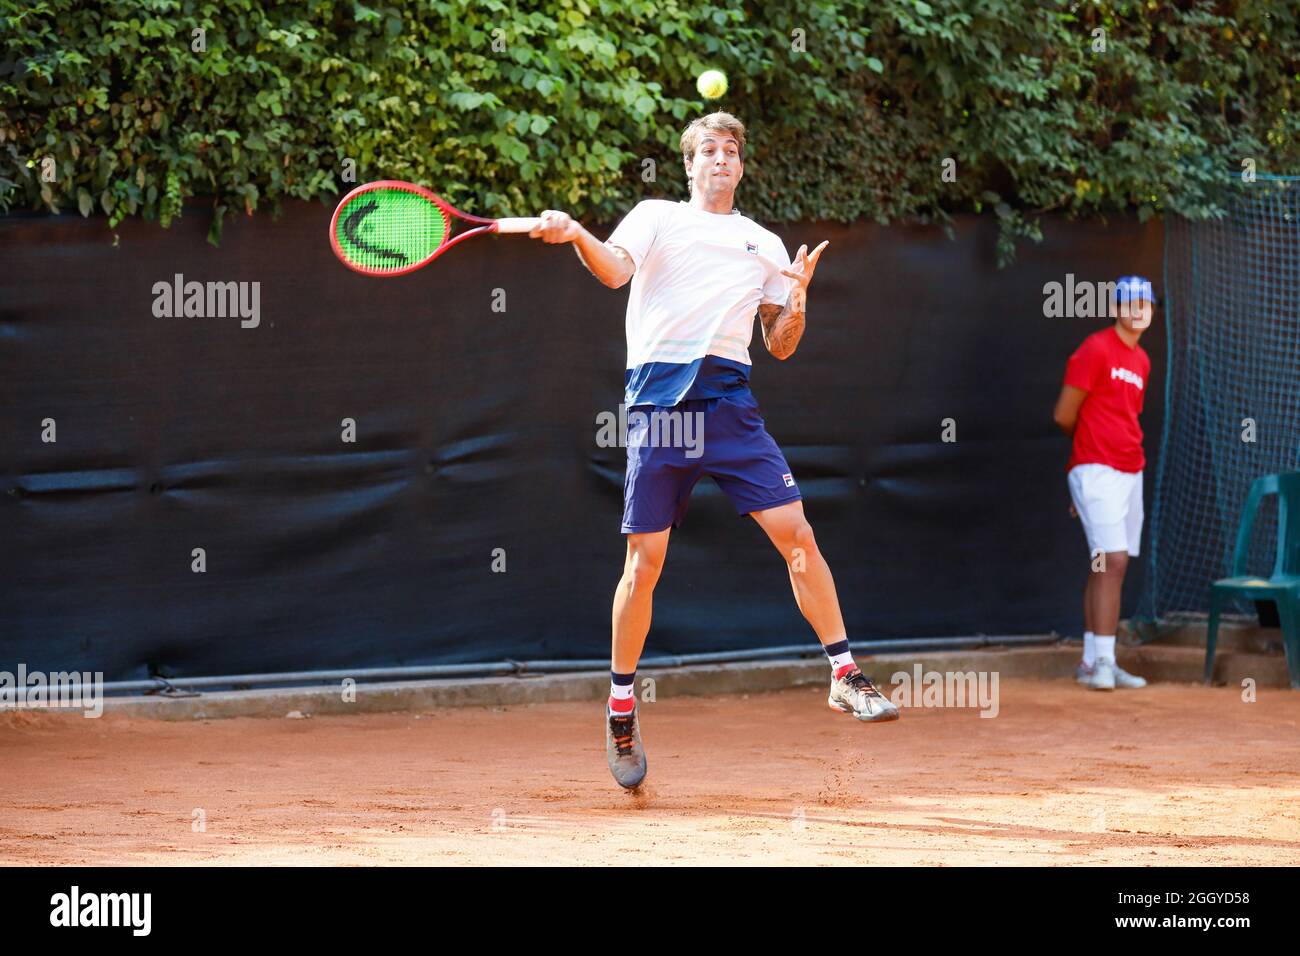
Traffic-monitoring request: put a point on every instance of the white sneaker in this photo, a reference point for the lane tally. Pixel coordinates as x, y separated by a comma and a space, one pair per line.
1103, 675
1127, 681
1123, 679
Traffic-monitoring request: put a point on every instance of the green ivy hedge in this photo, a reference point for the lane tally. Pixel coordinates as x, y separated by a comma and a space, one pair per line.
508, 108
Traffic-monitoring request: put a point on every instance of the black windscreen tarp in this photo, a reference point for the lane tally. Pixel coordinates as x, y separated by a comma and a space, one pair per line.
476, 430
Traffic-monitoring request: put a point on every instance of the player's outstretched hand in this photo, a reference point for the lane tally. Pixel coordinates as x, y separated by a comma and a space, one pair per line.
804, 264
556, 226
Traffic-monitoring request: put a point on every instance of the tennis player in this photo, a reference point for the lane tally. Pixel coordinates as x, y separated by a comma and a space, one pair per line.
1105, 384
700, 272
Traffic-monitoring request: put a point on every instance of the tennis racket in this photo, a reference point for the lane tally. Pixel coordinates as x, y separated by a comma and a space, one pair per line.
388, 228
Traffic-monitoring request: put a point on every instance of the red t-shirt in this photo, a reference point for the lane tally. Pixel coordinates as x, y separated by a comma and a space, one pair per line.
1115, 378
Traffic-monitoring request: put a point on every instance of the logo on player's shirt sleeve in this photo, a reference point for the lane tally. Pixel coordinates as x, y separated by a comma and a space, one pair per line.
751, 247
788, 479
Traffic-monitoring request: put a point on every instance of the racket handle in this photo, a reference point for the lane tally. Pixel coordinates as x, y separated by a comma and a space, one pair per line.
525, 224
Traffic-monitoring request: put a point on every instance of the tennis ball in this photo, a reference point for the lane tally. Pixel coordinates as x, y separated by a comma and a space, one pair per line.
711, 84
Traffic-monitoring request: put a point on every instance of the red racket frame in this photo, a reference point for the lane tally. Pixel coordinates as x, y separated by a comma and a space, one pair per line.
446, 208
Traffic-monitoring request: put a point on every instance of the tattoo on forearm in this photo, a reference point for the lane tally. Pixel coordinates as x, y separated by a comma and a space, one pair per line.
787, 335
783, 326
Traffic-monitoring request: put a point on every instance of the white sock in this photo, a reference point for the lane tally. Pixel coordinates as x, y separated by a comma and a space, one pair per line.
621, 695
1106, 648
840, 656
1089, 648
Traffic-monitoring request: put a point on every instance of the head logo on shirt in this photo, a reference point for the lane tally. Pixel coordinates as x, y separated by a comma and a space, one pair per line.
1123, 374
751, 247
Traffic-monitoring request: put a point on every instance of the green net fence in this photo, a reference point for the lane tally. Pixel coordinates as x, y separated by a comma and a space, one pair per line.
1232, 399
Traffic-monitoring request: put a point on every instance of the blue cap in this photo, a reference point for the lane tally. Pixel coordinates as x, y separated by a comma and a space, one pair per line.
1134, 288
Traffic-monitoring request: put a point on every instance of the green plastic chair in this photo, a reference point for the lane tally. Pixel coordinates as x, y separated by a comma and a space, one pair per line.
1281, 587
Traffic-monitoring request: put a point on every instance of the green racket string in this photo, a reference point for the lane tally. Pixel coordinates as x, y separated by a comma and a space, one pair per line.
389, 229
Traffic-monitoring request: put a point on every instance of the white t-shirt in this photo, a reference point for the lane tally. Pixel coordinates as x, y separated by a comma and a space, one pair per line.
700, 278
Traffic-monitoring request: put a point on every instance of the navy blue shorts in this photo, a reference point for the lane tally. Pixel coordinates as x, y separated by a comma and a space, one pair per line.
723, 438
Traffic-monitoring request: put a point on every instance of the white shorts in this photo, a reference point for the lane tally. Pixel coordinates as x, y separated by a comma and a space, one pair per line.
1109, 503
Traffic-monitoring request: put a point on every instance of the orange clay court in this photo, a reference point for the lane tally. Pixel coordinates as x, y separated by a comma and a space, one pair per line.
1176, 774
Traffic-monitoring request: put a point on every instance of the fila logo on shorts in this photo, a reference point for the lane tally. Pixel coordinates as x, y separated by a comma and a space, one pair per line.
1124, 375
738, 454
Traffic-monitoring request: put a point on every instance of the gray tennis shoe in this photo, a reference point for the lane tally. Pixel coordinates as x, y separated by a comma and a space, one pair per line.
623, 748
854, 694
